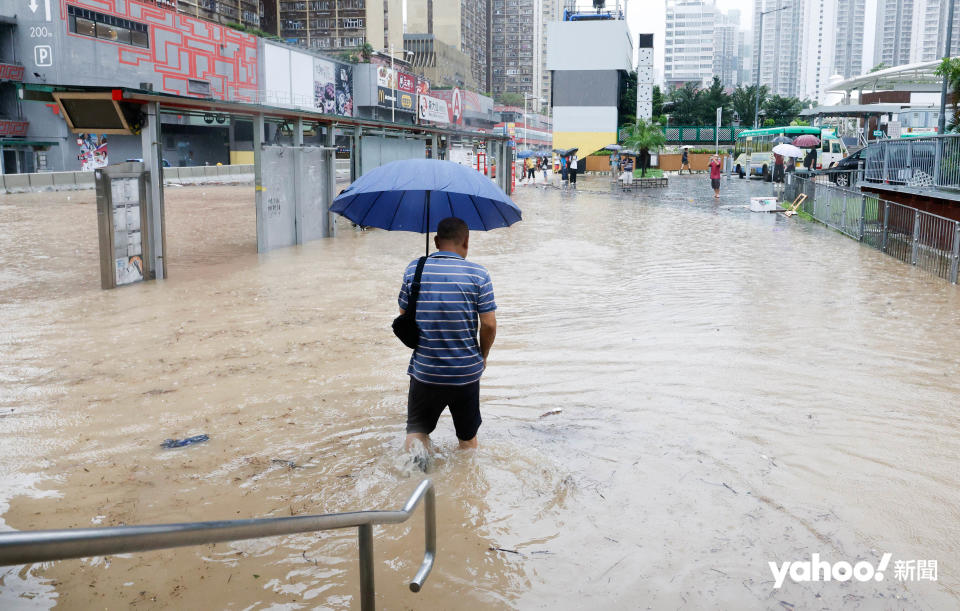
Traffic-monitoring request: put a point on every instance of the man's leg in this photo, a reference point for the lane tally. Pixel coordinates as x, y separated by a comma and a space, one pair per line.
414, 438
465, 409
424, 407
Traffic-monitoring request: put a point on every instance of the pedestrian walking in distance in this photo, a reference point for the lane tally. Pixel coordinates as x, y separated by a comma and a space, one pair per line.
685, 162
715, 175
574, 167
457, 318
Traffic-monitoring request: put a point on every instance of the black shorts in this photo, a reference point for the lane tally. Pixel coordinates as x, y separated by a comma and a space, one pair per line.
573, 176
715, 184
425, 403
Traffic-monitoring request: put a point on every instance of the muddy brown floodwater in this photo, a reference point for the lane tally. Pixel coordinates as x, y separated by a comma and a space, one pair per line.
735, 389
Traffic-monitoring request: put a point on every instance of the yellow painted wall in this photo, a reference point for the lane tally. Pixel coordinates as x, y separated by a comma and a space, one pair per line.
587, 142
241, 157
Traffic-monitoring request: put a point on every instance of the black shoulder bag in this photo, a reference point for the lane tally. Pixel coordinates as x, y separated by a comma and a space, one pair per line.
405, 326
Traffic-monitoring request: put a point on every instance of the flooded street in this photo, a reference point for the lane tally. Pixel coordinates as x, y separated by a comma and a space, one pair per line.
736, 388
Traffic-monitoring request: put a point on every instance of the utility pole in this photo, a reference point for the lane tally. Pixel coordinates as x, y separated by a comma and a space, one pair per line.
756, 99
942, 124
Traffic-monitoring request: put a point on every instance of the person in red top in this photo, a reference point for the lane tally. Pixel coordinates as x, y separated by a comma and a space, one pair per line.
715, 175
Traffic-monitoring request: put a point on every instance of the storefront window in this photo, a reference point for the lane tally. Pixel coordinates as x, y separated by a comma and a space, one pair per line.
105, 27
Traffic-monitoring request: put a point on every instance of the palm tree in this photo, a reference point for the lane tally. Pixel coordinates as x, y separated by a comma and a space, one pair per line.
645, 136
366, 52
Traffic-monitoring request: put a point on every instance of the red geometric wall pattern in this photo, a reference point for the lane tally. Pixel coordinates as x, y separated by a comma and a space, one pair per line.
183, 48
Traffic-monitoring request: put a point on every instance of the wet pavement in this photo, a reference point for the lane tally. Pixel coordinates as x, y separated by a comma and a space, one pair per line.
735, 388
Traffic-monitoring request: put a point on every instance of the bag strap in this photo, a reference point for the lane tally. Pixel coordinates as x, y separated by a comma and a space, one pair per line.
415, 287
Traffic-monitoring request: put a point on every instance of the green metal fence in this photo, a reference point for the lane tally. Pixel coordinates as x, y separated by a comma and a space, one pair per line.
696, 134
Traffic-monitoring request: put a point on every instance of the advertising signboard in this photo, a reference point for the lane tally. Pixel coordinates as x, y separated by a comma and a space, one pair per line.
433, 109
396, 89
332, 93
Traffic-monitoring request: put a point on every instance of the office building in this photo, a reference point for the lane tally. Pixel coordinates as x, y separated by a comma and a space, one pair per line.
689, 42
441, 64
463, 25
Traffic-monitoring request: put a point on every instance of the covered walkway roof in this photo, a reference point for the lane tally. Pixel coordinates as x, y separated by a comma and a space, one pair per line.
860, 110
49, 93
909, 77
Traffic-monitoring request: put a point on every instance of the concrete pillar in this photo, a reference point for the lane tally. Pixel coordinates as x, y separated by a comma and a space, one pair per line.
150, 144
299, 193
330, 228
262, 245
356, 170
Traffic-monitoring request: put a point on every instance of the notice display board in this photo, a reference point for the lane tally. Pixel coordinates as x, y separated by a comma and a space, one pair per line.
124, 224
127, 241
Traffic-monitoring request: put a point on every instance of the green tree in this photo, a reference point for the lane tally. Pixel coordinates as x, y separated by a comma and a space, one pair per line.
782, 109
742, 101
366, 52
715, 97
657, 101
627, 104
949, 69
879, 67
510, 99
645, 137
686, 102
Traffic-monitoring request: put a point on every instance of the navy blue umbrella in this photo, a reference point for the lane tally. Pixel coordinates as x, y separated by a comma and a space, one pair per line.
415, 194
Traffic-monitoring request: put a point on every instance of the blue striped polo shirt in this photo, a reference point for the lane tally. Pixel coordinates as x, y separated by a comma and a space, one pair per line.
453, 291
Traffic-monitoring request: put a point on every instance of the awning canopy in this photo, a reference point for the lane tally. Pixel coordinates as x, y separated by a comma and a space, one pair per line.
167, 101
859, 110
909, 77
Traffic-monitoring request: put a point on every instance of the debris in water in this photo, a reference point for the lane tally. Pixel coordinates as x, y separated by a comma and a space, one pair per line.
729, 488
552, 412
288, 463
509, 551
179, 443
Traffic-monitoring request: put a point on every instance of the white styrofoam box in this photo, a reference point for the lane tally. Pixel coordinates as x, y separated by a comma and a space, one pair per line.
763, 204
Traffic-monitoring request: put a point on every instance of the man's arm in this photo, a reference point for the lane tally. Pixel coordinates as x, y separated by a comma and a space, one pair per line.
488, 332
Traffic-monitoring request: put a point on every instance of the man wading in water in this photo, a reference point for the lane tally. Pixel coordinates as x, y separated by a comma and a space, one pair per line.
445, 368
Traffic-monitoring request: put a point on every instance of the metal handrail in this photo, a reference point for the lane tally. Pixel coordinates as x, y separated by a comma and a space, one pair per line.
27, 547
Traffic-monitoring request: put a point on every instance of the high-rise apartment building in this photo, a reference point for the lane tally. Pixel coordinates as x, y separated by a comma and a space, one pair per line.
688, 51
848, 38
244, 12
726, 50
818, 48
909, 31
518, 47
463, 25
894, 34
783, 31
337, 25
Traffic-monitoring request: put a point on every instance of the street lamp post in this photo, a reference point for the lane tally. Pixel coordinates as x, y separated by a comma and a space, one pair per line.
756, 98
393, 77
526, 96
942, 123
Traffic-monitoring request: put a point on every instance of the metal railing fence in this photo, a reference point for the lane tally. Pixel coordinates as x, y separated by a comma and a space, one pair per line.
928, 241
27, 547
932, 161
